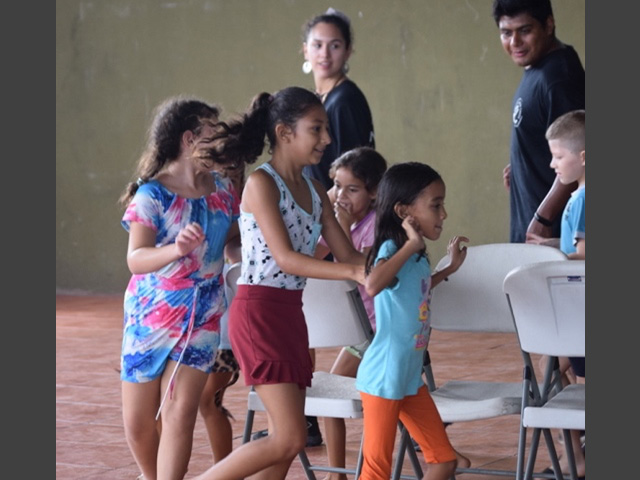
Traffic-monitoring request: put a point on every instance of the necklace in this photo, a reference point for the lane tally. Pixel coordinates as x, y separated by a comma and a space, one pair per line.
323, 96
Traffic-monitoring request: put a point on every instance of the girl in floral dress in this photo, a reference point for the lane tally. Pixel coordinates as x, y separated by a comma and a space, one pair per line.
180, 215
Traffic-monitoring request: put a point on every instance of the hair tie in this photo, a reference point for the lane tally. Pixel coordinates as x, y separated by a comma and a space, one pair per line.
140, 181
270, 99
338, 13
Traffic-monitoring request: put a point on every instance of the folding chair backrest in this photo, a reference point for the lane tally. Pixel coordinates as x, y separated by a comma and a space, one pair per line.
231, 280
334, 313
548, 304
472, 299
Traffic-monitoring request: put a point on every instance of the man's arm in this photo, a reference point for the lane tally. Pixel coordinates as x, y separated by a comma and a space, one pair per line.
550, 207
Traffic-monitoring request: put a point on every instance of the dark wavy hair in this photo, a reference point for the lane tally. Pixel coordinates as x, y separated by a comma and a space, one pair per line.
172, 118
401, 184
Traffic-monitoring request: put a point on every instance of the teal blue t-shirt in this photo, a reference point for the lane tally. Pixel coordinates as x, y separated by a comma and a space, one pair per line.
573, 219
392, 365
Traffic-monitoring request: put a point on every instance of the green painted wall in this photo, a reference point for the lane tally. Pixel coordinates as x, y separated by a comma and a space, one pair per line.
434, 72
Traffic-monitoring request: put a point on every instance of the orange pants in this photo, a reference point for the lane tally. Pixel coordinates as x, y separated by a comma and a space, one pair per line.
419, 415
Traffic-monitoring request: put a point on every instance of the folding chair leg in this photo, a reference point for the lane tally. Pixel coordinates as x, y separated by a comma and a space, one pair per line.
310, 469
406, 446
533, 449
522, 446
548, 438
570, 456
360, 458
413, 458
306, 465
522, 437
404, 441
248, 426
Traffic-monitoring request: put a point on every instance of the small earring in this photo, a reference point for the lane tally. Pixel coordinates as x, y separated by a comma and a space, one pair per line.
345, 68
306, 67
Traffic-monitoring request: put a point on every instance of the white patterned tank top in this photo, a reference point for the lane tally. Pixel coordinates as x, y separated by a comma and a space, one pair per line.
258, 265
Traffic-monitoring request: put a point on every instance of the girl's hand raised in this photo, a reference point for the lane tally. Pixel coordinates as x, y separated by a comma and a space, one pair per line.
414, 240
189, 238
457, 253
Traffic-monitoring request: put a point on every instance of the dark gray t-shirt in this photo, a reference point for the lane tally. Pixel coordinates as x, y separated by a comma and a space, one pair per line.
552, 87
350, 126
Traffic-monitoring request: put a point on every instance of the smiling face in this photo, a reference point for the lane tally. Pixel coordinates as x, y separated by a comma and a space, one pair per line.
428, 210
326, 50
568, 163
352, 194
525, 39
309, 137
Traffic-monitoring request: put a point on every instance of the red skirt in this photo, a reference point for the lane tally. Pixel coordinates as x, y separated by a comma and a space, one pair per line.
269, 336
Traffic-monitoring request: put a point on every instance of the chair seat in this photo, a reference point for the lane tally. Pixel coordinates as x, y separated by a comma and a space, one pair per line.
462, 401
566, 411
330, 395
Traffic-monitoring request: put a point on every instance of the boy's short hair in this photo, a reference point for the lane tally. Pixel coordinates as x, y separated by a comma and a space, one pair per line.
569, 128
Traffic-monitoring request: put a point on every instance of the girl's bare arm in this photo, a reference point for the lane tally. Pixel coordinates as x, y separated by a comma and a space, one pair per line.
261, 198
144, 257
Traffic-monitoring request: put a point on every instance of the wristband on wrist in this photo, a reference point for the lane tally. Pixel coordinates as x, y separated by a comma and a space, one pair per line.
542, 220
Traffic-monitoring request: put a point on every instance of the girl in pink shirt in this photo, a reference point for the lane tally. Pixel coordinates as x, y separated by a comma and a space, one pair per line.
356, 174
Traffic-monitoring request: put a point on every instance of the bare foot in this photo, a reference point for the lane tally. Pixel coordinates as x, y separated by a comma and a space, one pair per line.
463, 462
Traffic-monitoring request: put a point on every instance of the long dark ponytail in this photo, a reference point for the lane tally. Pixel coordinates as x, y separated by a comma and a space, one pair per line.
243, 137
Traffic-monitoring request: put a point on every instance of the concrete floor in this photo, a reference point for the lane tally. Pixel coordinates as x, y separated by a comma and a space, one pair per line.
90, 441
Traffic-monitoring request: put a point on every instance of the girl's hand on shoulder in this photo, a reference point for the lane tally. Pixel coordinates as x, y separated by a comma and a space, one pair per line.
414, 240
457, 252
189, 238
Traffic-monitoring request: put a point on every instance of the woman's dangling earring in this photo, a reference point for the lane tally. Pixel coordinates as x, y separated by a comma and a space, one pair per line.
345, 68
306, 67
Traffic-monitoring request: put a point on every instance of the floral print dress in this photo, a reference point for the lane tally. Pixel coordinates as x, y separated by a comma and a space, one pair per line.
174, 313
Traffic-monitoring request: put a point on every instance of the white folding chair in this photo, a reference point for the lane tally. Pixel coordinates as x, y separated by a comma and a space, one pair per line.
472, 300
335, 317
231, 275
547, 301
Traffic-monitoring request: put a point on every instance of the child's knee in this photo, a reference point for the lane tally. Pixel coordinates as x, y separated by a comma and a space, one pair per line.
139, 432
297, 443
208, 408
179, 415
288, 446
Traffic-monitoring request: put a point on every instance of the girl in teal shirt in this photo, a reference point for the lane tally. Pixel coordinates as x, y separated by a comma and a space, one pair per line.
410, 208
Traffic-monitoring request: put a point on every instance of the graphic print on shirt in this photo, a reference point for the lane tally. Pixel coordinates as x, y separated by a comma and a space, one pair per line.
423, 317
303, 228
517, 113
